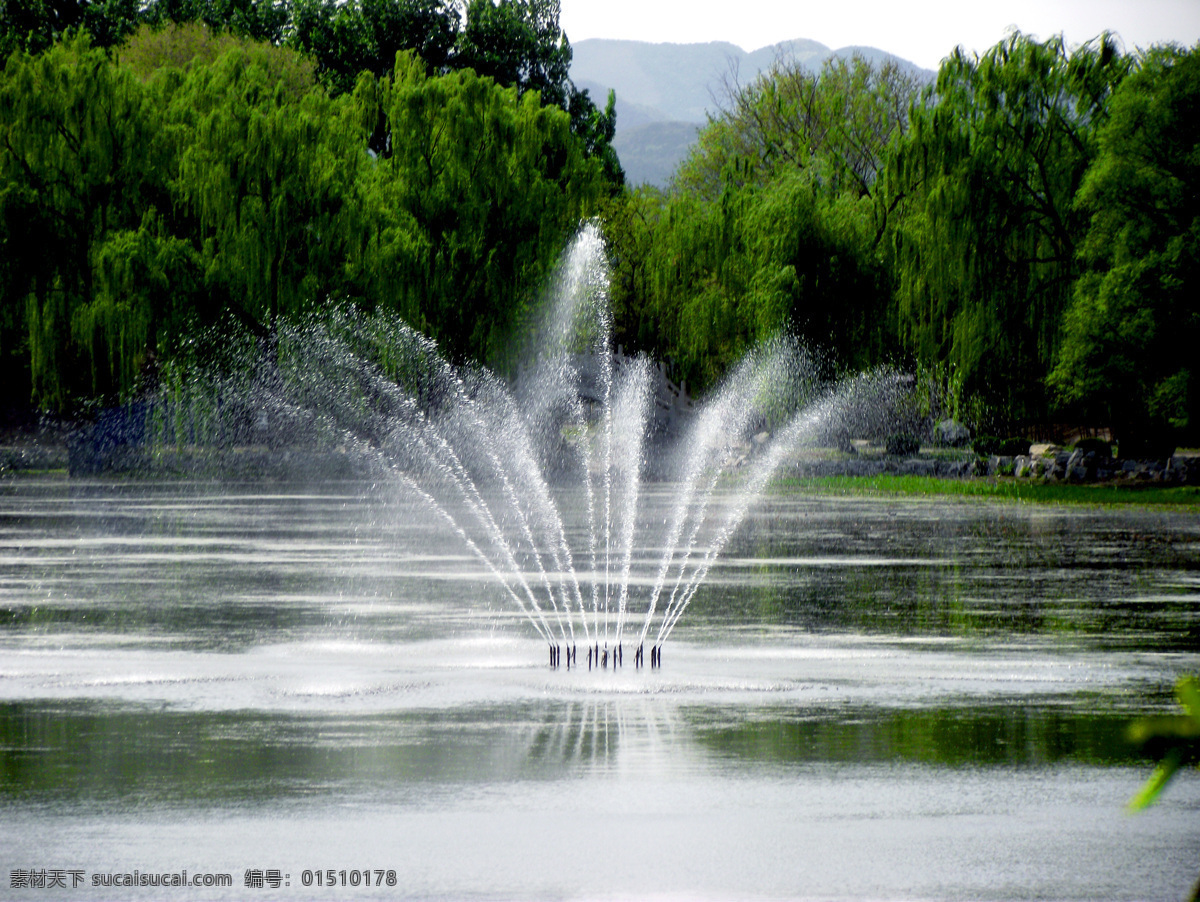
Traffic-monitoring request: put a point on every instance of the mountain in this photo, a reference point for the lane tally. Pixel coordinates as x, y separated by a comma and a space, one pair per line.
652, 151
665, 91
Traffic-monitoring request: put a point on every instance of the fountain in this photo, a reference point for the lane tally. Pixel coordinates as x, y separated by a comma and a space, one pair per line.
492, 462
222, 675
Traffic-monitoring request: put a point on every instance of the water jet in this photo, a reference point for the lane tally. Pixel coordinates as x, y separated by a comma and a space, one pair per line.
541, 481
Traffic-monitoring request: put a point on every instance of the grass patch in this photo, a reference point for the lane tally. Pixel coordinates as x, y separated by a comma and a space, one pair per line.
1024, 490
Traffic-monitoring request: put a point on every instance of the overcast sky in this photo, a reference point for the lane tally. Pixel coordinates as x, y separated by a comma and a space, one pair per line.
922, 31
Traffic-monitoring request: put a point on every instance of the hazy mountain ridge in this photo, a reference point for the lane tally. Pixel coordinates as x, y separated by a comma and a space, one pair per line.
651, 151
665, 90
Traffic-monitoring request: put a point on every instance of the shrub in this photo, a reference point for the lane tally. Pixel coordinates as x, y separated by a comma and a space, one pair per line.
903, 445
1014, 446
1147, 444
988, 445
985, 445
1097, 446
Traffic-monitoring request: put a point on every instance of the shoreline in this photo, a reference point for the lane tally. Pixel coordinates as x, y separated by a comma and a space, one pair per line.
933, 474
993, 488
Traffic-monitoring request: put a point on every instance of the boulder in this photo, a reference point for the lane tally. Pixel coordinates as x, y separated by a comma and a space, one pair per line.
951, 434
999, 465
959, 469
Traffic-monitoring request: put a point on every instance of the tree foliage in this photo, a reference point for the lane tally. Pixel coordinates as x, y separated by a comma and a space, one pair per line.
198, 175
348, 38
984, 243
1026, 225
769, 225
517, 43
263, 21
1129, 355
266, 172
700, 282
177, 48
77, 148
493, 183
836, 123
35, 25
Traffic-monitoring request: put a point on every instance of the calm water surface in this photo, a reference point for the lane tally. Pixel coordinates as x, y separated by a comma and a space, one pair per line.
868, 699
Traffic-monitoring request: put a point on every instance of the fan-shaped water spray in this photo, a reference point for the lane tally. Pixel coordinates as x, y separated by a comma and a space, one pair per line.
493, 462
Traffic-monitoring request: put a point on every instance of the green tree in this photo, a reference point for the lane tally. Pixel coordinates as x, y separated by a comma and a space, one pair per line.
146, 288
177, 48
630, 223
770, 225
79, 161
365, 35
837, 122
491, 185
260, 20
517, 43
984, 244
266, 167
34, 25
1129, 350
699, 282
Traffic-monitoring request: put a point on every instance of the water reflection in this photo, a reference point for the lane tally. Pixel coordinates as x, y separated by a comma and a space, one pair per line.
1027, 735
224, 676
204, 566
1116, 579
87, 752
207, 566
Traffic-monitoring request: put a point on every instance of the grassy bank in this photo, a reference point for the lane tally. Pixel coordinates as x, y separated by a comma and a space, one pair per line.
1007, 489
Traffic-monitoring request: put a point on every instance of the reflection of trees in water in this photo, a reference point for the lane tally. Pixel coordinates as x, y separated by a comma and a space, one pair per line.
908, 568
79, 751
599, 732
1025, 735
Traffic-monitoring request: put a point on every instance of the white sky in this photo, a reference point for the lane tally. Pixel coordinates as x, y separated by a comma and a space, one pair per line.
922, 31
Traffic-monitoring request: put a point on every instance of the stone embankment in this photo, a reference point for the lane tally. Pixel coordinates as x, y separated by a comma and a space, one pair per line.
115, 443
1076, 466
880, 466
32, 457
1063, 466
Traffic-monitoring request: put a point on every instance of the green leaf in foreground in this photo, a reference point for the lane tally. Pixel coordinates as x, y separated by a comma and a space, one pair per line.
1174, 739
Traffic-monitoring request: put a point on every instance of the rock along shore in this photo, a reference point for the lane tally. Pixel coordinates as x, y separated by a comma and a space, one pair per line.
116, 444
1063, 466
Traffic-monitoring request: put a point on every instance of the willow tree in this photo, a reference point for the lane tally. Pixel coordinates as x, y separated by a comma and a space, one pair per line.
267, 166
1129, 355
516, 43
836, 123
769, 225
699, 282
79, 163
486, 187
984, 244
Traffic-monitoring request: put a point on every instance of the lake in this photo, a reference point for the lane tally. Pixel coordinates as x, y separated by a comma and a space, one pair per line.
314, 691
